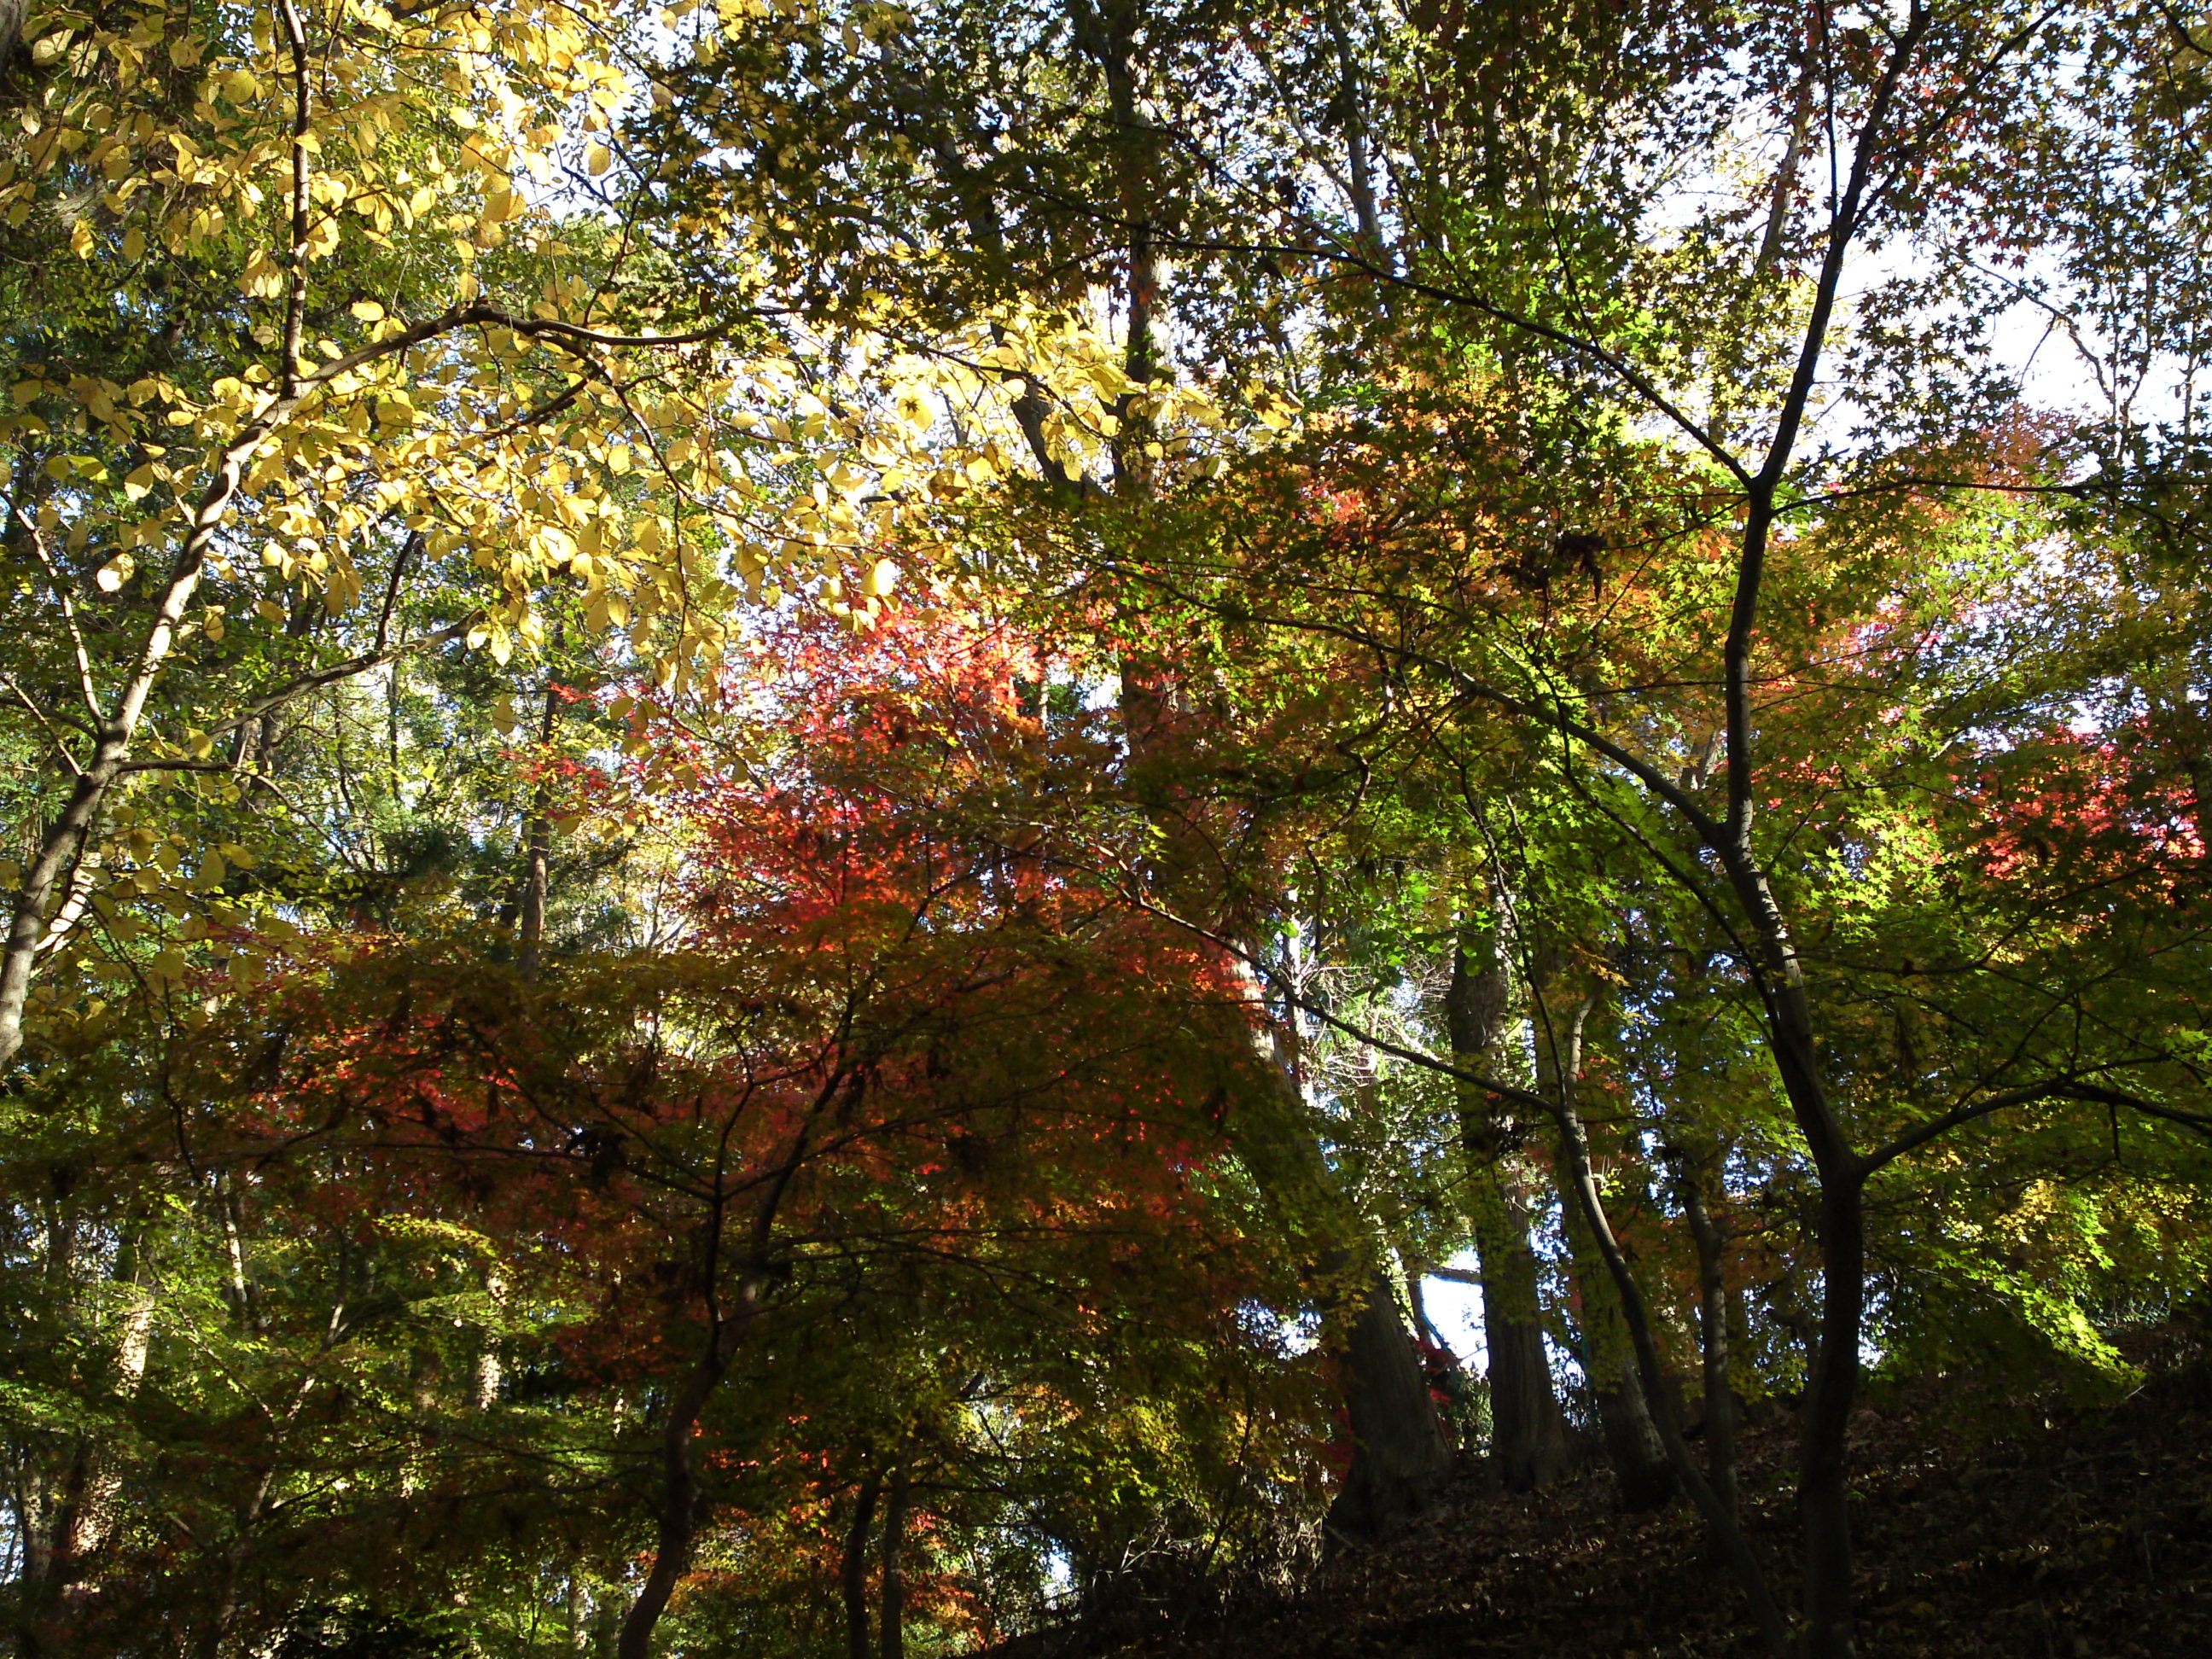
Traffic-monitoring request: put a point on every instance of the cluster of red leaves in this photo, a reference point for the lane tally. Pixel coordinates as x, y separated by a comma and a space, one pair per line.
2104, 810
913, 1034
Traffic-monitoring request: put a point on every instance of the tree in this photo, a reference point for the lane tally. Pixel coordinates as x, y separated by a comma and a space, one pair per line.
424, 391
794, 1183
1546, 688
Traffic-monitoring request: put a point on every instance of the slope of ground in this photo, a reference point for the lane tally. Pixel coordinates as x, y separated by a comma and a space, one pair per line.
2079, 1534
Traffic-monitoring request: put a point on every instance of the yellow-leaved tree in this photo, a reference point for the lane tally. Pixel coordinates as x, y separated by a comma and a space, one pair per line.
334, 338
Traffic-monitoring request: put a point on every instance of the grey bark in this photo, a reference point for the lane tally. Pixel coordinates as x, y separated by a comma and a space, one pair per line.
1528, 1430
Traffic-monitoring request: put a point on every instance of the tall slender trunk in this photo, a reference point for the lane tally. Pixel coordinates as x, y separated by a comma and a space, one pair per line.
681, 1498
729, 1324
1728, 1535
1106, 30
490, 1370
1359, 164
1823, 1497
1527, 1444
1693, 1180
217, 1636
1401, 1458
679, 1520
1624, 1412
93, 1520
82, 1511
1823, 1492
893, 1633
538, 836
1625, 1421
856, 1566
577, 1610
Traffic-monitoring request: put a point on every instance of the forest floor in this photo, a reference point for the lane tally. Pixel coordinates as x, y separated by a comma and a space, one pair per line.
2075, 1534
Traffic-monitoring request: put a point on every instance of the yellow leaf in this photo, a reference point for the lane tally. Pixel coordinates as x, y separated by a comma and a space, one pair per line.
80, 238
116, 572
367, 310
263, 278
134, 243
597, 160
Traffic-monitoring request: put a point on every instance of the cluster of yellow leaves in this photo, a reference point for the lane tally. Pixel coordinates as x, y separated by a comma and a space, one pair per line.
632, 469
399, 201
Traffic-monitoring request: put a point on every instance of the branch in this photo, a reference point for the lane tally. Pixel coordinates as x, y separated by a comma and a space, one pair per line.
1841, 229
40, 715
2063, 1088
1743, 615
344, 670
1489, 1085
1967, 1112
295, 293
63, 838
1727, 1533
1606, 358
545, 412
84, 679
408, 548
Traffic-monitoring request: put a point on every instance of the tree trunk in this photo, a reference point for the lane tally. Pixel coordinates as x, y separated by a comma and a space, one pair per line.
578, 1608
490, 1372
1631, 1438
1822, 1488
682, 1502
1527, 1444
93, 1520
1625, 1414
1106, 29
1712, 1331
538, 838
1728, 1535
856, 1566
1400, 1455
85, 1509
893, 1633
1529, 1434
679, 1507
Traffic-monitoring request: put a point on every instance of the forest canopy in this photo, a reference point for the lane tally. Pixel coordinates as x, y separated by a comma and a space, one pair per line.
805, 802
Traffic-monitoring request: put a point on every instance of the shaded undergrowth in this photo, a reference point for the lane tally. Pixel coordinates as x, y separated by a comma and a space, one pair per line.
2072, 1533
